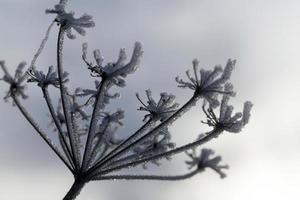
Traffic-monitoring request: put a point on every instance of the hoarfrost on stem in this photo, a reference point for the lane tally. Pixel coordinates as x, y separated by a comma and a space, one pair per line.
88, 141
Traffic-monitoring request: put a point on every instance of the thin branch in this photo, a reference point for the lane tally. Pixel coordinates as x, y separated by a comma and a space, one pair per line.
148, 177
96, 146
40, 132
93, 123
211, 135
57, 124
128, 140
165, 123
42, 45
62, 88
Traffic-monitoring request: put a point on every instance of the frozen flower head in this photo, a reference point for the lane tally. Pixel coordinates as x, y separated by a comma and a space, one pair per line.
45, 80
76, 109
160, 110
204, 161
16, 83
108, 127
114, 72
115, 117
209, 83
91, 94
159, 143
227, 121
67, 21
60, 117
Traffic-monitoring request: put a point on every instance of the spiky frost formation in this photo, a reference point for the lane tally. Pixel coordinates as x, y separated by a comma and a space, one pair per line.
204, 160
160, 110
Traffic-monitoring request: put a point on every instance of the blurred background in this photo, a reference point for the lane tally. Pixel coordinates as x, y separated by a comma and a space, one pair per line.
264, 37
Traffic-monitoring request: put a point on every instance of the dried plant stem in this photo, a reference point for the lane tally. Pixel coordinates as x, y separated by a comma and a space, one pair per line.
92, 128
151, 177
211, 135
126, 142
39, 131
165, 123
74, 190
60, 40
57, 124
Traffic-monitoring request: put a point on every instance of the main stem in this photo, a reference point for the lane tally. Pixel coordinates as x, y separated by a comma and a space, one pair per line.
75, 189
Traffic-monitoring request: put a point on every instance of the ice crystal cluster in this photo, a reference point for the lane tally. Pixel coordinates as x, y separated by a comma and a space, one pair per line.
88, 143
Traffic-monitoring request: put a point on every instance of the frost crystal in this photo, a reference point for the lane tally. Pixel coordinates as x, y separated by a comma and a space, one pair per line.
161, 110
204, 161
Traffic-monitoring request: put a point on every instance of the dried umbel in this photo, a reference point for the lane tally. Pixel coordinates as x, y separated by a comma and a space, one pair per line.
88, 140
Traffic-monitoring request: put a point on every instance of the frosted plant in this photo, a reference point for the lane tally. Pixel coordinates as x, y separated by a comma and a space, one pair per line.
88, 141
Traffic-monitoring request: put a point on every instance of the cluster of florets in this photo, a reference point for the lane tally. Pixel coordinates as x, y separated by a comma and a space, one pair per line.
68, 22
160, 110
117, 71
43, 80
16, 82
204, 160
226, 121
209, 83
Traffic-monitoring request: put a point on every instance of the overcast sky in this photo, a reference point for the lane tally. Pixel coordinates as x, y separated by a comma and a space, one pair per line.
264, 37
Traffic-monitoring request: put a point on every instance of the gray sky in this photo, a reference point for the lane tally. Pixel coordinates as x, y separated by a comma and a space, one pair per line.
264, 37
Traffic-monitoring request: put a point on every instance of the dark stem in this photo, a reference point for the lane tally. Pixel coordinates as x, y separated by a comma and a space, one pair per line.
125, 142
63, 93
74, 190
151, 177
180, 149
165, 123
93, 124
57, 124
39, 131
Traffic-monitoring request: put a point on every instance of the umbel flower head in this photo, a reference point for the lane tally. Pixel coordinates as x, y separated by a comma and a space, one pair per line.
115, 72
44, 80
204, 161
157, 144
226, 121
108, 127
210, 83
160, 110
69, 22
91, 94
16, 83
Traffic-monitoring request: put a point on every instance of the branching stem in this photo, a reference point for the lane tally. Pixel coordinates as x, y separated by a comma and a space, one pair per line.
183, 148
39, 131
57, 124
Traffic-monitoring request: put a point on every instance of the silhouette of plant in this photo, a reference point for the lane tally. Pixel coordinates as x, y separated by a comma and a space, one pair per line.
88, 145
